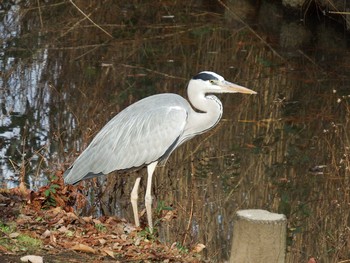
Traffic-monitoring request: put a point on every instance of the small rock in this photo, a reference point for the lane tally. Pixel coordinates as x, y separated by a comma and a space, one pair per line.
32, 259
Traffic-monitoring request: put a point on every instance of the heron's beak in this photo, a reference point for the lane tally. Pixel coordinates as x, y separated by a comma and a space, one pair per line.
229, 87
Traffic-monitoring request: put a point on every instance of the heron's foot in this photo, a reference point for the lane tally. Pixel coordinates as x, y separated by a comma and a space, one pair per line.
133, 198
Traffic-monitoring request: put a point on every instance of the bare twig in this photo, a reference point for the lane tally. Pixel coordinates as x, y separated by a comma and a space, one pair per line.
45, 6
88, 18
153, 71
74, 26
40, 16
311, 60
338, 13
91, 50
189, 224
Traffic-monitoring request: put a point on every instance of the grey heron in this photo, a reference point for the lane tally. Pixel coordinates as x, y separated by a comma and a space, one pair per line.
148, 131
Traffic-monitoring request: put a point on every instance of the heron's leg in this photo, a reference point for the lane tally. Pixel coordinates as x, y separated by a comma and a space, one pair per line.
148, 197
133, 198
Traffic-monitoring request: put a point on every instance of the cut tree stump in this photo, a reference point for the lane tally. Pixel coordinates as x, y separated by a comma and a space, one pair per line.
258, 236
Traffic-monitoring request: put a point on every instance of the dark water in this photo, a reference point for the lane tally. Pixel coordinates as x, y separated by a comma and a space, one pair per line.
63, 76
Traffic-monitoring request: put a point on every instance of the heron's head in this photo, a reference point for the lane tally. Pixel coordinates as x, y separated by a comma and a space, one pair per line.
210, 82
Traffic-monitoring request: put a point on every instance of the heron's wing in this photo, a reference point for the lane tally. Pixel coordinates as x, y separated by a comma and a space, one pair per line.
142, 133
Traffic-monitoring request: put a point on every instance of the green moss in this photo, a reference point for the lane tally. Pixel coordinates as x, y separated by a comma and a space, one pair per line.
28, 243
15, 241
101, 228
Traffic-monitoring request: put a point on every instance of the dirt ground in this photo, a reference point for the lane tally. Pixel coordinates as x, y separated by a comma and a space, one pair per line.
61, 257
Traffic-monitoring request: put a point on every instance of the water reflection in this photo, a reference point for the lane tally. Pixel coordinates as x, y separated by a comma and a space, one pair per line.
63, 78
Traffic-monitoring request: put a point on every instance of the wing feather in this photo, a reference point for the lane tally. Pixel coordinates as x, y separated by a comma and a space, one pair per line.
139, 135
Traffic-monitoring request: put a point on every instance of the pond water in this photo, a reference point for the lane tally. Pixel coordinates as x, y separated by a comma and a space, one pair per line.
68, 67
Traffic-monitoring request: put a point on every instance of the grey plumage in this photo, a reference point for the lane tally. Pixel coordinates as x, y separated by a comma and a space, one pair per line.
128, 140
148, 131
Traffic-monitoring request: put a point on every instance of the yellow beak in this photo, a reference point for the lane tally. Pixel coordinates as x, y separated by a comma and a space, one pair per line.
234, 88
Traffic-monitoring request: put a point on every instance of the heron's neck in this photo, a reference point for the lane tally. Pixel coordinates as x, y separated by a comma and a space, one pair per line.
207, 112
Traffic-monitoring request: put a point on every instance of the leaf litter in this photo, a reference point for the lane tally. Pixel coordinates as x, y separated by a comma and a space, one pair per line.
48, 215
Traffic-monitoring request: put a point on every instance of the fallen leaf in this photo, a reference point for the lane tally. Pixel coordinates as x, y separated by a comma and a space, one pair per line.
32, 259
102, 241
198, 248
96, 221
46, 234
23, 219
14, 235
83, 248
62, 229
169, 215
72, 216
129, 228
312, 260
60, 222
137, 241
119, 229
173, 245
117, 246
55, 211
52, 238
3, 249
87, 219
108, 252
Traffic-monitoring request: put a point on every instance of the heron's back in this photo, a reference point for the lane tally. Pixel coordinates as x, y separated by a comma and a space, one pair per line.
146, 131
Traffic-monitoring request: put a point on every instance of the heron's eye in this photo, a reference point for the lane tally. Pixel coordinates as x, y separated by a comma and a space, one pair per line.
212, 81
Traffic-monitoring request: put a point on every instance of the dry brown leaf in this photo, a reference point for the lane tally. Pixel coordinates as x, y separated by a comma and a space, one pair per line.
23, 219
14, 235
102, 241
173, 245
52, 238
72, 216
117, 246
114, 220
96, 221
198, 248
55, 211
46, 234
87, 219
62, 229
169, 215
108, 252
3, 249
130, 228
83, 248
137, 241
118, 229
70, 230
